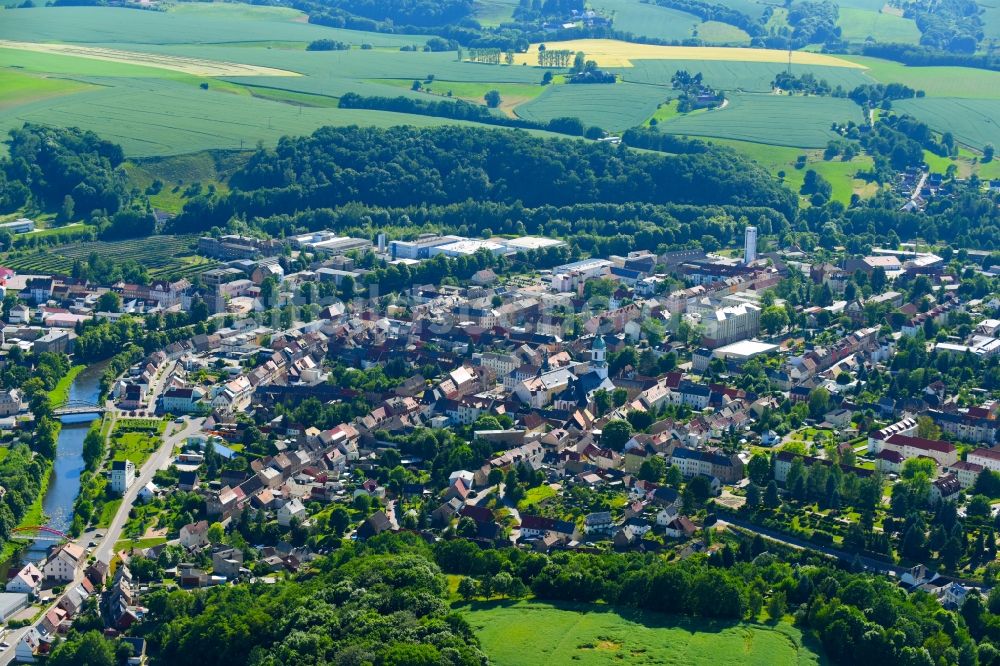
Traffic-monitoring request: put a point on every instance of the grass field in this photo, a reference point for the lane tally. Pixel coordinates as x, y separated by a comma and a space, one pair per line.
801, 122
857, 25
511, 94
536, 495
612, 107
18, 88
108, 511
614, 53
534, 633
135, 439
782, 159
974, 122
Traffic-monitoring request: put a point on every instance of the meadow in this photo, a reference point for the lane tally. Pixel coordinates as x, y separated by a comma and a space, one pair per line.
20, 88
781, 162
781, 120
614, 107
935, 81
539, 634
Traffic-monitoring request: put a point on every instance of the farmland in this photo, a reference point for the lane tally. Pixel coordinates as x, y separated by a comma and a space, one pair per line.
736, 75
647, 19
164, 256
192, 66
935, 81
857, 25
612, 107
614, 53
801, 122
18, 88
974, 122
533, 633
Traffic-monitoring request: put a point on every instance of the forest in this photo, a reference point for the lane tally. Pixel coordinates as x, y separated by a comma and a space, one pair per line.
384, 601
405, 166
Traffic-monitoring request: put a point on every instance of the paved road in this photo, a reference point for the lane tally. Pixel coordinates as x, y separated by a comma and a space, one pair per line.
159, 460
106, 544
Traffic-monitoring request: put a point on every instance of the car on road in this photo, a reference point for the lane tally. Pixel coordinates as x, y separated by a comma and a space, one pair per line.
179, 419
4, 645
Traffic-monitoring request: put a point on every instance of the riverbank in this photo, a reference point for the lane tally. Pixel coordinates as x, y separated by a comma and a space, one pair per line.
60, 393
35, 515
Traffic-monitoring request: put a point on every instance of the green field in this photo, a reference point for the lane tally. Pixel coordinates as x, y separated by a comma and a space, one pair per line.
163, 256
935, 81
716, 32
647, 19
494, 12
534, 633
858, 25
974, 122
801, 122
194, 23
782, 159
135, 439
18, 88
614, 107
733, 75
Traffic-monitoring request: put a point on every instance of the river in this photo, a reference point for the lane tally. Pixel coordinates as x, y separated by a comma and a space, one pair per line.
64, 482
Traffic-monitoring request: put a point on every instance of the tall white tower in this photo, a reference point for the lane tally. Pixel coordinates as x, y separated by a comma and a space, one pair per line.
598, 357
750, 246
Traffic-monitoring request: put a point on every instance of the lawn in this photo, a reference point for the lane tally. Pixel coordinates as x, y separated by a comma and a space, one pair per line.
535, 496
136, 439
532, 633
613, 107
60, 393
716, 32
801, 122
108, 512
494, 12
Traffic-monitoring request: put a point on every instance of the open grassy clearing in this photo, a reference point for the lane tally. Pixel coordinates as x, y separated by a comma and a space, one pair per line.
191, 66
494, 12
60, 393
935, 81
782, 159
733, 75
716, 32
801, 122
974, 122
614, 53
857, 25
511, 94
189, 23
647, 19
614, 107
20, 88
534, 633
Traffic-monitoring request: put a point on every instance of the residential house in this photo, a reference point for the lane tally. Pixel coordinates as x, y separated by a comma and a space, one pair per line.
291, 510
63, 562
194, 535
122, 476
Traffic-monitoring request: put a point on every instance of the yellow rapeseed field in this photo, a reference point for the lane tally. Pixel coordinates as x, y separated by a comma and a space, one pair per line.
614, 53
193, 66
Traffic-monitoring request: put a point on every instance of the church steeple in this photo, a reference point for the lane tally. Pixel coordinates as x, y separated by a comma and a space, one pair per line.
598, 354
